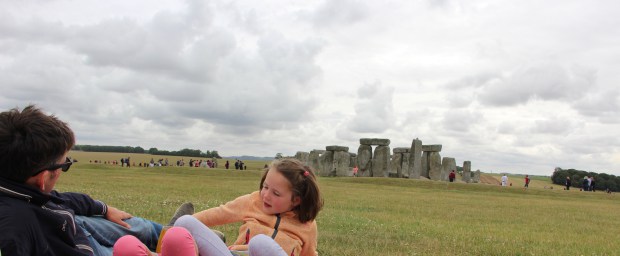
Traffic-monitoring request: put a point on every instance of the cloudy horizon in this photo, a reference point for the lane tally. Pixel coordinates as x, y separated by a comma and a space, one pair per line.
512, 86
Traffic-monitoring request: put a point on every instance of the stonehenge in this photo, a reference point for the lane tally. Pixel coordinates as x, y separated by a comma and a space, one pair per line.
399, 164
417, 161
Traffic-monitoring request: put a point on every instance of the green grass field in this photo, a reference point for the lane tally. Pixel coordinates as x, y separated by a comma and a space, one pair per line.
383, 216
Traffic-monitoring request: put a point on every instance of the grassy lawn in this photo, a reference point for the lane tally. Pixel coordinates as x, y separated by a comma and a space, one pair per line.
384, 216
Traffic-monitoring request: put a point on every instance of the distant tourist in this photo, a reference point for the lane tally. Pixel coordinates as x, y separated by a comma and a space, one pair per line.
226, 164
567, 183
527, 181
592, 184
504, 180
452, 176
586, 183
355, 169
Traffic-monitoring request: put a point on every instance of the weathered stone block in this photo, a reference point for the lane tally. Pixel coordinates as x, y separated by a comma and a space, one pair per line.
476, 178
313, 160
375, 141
396, 165
364, 157
327, 163
431, 148
467, 171
342, 161
337, 148
447, 165
401, 150
380, 161
302, 157
353, 162
405, 165
425, 165
434, 166
415, 159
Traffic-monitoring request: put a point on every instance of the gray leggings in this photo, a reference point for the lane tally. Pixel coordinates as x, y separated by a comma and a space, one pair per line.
209, 244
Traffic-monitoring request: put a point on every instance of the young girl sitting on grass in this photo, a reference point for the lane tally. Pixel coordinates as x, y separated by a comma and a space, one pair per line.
279, 219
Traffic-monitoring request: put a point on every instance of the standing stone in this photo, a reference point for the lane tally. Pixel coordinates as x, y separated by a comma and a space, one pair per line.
405, 165
467, 171
353, 161
397, 169
425, 165
327, 163
434, 166
302, 157
313, 159
364, 157
415, 160
342, 160
380, 161
447, 165
396, 165
477, 176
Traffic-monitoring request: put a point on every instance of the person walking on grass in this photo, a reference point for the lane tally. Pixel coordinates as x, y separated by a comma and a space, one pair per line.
504, 180
567, 183
35, 219
355, 169
527, 181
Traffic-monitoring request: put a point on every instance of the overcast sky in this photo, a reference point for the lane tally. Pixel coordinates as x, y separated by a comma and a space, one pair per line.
512, 86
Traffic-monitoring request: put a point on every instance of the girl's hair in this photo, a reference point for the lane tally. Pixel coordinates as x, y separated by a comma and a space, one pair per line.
303, 184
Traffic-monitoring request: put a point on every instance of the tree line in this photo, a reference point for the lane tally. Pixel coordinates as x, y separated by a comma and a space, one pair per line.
603, 181
153, 151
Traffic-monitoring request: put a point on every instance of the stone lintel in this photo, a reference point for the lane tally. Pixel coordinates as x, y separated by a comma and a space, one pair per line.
401, 150
375, 141
337, 148
431, 148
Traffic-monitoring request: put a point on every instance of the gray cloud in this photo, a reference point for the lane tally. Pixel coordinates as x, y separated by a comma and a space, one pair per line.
339, 12
373, 110
258, 78
544, 81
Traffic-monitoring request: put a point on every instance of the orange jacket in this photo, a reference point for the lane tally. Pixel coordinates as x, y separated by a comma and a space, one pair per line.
294, 237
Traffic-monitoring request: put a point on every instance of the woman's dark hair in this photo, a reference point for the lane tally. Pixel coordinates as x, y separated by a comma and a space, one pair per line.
303, 184
31, 140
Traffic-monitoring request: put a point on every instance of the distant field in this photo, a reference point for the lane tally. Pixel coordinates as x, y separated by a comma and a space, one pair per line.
384, 216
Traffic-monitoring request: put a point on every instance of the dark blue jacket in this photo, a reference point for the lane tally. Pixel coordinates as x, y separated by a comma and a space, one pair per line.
34, 223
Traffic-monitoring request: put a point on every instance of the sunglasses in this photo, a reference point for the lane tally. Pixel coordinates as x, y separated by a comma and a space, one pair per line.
64, 167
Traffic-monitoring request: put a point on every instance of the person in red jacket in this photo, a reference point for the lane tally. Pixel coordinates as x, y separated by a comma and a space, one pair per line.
452, 176
527, 181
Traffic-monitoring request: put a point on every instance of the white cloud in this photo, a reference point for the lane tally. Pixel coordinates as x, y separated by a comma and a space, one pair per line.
373, 110
498, 83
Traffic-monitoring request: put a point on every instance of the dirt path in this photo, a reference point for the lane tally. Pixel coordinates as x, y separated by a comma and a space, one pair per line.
487, 179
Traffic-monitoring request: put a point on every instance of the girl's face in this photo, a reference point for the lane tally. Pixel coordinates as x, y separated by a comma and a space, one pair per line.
276, 194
